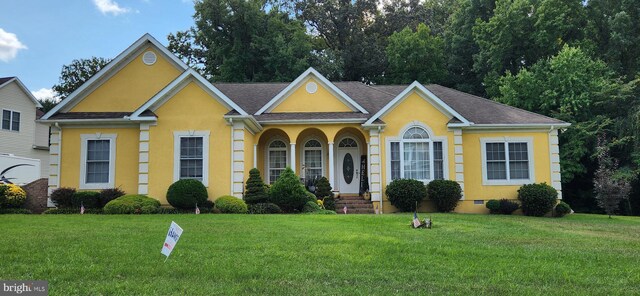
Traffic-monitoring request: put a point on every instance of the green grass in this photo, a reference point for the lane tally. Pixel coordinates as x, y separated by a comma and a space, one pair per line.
324, 254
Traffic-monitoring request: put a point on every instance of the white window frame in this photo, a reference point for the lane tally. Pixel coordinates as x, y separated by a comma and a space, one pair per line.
322, 148
84, 139
205, 135
267, 162
505, 141
445, 151
11, 112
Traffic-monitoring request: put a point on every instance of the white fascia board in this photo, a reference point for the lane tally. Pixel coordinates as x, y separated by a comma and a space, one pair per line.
405, 93
513, 126
318, 121
79, 93
250, 121
275, 101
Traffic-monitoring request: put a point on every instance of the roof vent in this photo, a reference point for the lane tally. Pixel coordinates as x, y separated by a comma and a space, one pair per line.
312, 87
149, 58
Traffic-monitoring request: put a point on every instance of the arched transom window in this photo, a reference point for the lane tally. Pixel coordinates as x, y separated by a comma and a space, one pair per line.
347, 142
417, 156
312, 159
277, 162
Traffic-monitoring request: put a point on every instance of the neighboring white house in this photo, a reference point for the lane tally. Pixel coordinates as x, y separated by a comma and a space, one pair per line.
20, 134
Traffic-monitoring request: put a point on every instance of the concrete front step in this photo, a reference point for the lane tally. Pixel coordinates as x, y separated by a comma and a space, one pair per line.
351, 197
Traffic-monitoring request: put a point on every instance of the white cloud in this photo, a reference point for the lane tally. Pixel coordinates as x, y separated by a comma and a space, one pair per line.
110, 6
9, 45
44, 93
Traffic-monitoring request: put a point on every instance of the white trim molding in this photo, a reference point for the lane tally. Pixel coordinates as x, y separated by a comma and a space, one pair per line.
84, 139
554, 156
54, 161
506, 140
143, 159
374, 164
237, 166
458, 158
205, 135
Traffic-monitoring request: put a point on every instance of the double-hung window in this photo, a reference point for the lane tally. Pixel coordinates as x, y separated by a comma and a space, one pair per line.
507, 161
416, 156
191, 154
97, 166
277, 153
11, 120
312, 159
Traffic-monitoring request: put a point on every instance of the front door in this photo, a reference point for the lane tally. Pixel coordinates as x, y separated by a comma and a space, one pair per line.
348, 169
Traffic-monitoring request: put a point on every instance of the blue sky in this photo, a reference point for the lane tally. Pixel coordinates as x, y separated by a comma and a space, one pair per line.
37, 37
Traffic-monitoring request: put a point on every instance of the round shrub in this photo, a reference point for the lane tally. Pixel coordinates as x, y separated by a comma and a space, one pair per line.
109, 194
311, 207
186, 193
508, 206
264, 208
493, 206
88, 199
255, 191
405, 193
329, 203
445, 194
562, 209
63, 197
288, 193
132, 204
12, 196
231, 205
537, 199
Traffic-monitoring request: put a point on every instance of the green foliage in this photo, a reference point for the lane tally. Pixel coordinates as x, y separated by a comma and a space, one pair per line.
310, 207
329, 203
186, 193
264, 208
610, 188
132, 204
562, 209
405, 194
322, 212
493, 206
13, 211
71, 211
73, 75
231, 205
90, 200
109, 194
63, 197
12, 196
415, 56
288, 193
323, 188
255, 191
445, 194
507, 206
537, 199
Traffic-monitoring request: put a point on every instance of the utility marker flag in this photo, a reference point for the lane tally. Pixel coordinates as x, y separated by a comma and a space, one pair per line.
416, 221
170, 242
81, 208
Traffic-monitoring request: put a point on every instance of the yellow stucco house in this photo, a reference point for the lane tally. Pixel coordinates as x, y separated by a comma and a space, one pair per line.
147, 120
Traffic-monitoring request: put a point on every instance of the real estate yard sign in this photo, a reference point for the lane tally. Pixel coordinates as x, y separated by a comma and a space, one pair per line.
170, 242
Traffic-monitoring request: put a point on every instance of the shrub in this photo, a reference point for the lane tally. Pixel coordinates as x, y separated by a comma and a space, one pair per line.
404, 194
562, 209
311, 207
109, 194
12, 196
288, 193
323, 188
63, 197
493, 206
186, 193
14, 211
508, 206
68, 211
132, 204
329, 203
323, 212
537, 199
445, 194
264, 208
231, 205
255, 191
90, 200
207, 204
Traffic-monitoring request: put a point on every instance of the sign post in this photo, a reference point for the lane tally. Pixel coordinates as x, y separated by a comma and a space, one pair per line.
175, 231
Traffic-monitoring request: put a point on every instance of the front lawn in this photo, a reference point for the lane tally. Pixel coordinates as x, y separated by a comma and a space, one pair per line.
324, 254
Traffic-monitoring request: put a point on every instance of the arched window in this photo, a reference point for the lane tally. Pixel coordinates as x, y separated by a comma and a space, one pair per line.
347, 142
417, 156
312, 159
277, 159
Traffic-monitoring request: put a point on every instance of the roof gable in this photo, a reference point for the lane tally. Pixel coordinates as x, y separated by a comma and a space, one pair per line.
7, 80
322, 82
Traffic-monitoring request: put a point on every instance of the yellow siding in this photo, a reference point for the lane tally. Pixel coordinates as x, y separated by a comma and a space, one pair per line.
302, 101
190, 109
131, 87
126, 171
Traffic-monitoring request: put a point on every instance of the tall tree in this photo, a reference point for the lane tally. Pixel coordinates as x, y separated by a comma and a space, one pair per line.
76, 73
415, 56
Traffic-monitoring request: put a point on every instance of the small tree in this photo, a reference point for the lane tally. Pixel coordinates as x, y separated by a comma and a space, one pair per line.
609, 188
256, 191
288, 193
323, 188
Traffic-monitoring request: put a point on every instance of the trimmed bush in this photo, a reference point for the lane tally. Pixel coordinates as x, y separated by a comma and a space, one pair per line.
256, 191
404, 194
109, 194
231, 205
311, 207
288, 193
186, 193
132, 204
69, 211
562, 209
537, 199
63, 197
493, 206
12, 196
323, 188
207, 204
445, 194
329, 203
14, 211
507, 206
264, 208
90, 200
322, 212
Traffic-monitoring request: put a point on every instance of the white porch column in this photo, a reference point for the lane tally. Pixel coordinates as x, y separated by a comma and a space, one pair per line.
374, 163
293, 157
238, 159
331, 166
459, 160
143, 159
255, 155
